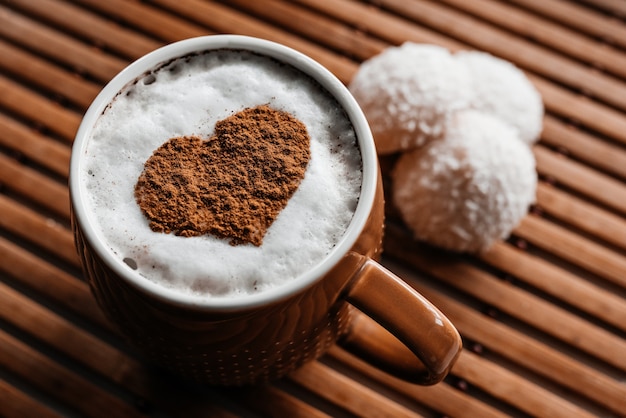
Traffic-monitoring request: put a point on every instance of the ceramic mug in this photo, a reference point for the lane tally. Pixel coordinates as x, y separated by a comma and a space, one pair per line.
259, 337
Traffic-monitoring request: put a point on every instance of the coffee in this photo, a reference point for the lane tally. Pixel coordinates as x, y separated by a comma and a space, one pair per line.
187, 97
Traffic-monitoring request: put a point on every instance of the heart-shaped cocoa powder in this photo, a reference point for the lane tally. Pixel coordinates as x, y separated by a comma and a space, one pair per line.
232, 185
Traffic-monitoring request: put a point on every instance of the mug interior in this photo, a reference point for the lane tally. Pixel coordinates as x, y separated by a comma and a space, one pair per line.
276, 51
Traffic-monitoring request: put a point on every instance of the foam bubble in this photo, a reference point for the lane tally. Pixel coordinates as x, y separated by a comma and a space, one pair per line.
188, 98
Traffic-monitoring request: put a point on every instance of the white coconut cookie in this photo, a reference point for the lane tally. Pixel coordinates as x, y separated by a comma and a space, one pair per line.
469, 188
406, 92
503, 90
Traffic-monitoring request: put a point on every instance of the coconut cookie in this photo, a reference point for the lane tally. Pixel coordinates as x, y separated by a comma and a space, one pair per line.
468, 188
503, 90
407, 92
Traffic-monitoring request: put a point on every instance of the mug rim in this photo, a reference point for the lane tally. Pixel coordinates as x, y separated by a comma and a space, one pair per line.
188, 46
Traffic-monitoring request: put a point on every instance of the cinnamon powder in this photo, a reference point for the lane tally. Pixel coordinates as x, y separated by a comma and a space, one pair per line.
232, 185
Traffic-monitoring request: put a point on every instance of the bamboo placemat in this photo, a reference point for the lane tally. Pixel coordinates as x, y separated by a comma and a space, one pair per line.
543, 315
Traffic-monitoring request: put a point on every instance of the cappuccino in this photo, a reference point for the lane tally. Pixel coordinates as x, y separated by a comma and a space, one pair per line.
186, 98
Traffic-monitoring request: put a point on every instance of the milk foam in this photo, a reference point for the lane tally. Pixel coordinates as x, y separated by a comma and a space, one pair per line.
187, 98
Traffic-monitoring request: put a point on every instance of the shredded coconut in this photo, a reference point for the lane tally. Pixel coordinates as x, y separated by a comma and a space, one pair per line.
468, 188
407, 91
503, 90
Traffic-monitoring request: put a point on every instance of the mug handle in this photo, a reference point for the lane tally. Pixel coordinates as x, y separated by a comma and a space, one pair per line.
397, 329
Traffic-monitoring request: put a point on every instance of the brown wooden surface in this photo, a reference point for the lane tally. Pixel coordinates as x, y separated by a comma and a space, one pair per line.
543, 315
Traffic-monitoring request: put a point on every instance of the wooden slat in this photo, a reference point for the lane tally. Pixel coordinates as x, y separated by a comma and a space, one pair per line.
609, 158
516, 302
95, 354
616, 7
58, 46
221, 19
30, 68
526, 351
129, 43
59, 382
501, 43
293, 18
441, 397
35, 186
85, 348
51, 236
523, 394
577, 250
16, 404
210, 18
26, 103
595, 116
161, 25
558, 283
545, 32
585, 180
34, 146
50, 282
379, 23
582, 215
271, 402
347, 393
580, 18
